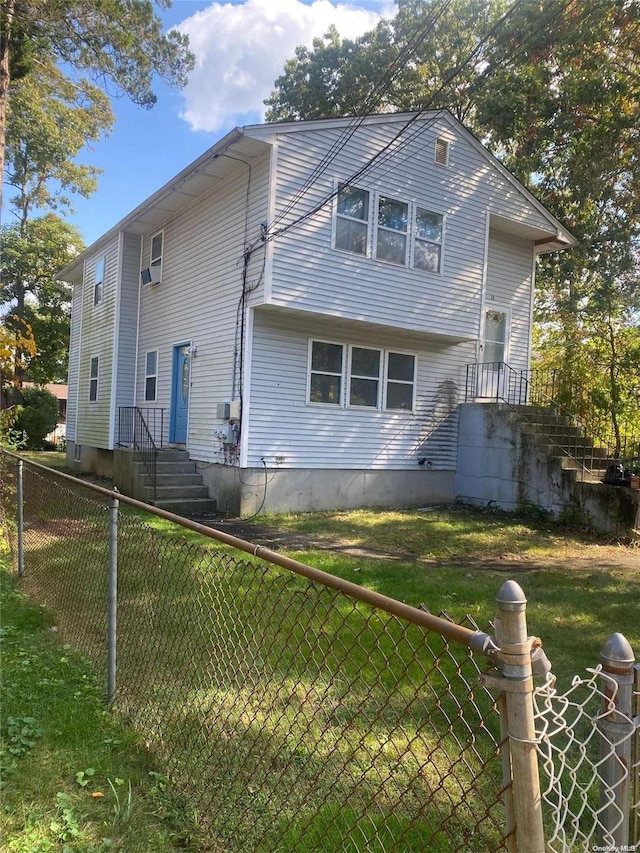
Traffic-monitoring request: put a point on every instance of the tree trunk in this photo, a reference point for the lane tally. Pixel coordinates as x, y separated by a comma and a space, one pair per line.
5, 78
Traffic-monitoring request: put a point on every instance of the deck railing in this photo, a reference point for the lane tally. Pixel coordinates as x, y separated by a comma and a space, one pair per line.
587, 440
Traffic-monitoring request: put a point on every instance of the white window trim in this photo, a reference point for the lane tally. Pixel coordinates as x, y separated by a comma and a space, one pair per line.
99, 301
408, 253
334, 223
350, 376
157, 261
414, 238
386, 380
95, 379
154, 399
311, 402
345, 378
372, 230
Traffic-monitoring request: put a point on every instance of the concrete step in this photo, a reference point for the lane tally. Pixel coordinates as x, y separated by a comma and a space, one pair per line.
176, 492
172, 454
189, 508
178, 479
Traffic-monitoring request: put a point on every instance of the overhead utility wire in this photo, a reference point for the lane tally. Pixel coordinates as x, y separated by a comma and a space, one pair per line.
367, 107
386, 152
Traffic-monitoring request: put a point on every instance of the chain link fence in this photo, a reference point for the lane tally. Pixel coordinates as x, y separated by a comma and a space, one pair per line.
299, 712
292, 715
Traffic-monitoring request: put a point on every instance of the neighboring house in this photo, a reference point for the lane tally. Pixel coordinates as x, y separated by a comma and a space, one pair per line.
298, 306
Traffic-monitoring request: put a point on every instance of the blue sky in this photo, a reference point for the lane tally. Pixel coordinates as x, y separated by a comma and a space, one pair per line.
240, 49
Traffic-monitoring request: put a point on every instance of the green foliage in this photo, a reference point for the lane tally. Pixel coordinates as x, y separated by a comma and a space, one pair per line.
38, 416
554, 92
29, 257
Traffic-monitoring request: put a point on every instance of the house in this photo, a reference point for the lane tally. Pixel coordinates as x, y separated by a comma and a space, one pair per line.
296, 310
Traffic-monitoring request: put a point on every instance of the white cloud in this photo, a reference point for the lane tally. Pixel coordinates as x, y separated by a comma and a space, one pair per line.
241, 49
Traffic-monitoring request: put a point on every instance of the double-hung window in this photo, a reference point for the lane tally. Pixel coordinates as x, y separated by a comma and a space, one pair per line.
403, 233
157, 245
93, 378
352, 220
400, 381
325, 382
392, 229
98, 281
372, 378
427, 249
151, 376
364, 377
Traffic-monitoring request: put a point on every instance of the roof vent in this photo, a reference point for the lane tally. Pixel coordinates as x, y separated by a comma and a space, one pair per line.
442, 151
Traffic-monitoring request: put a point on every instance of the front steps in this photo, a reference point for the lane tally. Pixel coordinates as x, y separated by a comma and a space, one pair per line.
179, 486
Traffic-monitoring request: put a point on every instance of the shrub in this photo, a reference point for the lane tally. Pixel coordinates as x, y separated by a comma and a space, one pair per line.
38, 417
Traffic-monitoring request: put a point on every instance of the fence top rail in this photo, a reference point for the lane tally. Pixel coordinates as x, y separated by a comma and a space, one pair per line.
478, 641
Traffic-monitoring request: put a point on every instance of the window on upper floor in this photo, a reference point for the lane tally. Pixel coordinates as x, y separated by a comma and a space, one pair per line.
441, 153
427, 246
404, 233
93, 378
352, 220
157, 247
151, 376
98, 281
373, 378
391, 230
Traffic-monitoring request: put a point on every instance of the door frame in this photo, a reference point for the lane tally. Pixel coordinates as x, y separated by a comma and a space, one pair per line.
175, 385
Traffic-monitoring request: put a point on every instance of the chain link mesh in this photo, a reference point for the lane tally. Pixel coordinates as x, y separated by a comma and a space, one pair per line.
293, 716
579, 732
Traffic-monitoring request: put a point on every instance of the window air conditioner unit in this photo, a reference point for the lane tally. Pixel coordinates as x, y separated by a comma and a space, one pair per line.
150, 275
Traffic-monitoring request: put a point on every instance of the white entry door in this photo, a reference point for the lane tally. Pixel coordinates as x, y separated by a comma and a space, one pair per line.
495, 353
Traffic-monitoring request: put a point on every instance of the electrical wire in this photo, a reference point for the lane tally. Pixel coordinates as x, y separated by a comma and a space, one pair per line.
366, 108
388, 149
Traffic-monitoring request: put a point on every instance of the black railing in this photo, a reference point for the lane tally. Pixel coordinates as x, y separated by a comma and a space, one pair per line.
587, 440
142, 429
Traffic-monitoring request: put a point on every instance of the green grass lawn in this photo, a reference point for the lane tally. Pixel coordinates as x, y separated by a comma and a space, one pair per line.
269, 641
72, 777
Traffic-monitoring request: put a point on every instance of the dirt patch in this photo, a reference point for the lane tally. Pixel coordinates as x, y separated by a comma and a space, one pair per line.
597, 557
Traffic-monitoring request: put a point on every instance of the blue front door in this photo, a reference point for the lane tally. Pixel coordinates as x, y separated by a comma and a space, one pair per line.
180, 383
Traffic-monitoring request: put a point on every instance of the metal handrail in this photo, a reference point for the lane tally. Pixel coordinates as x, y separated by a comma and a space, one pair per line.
134, 431
581, 440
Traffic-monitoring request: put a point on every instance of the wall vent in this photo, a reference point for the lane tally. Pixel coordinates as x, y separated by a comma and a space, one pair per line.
442, 151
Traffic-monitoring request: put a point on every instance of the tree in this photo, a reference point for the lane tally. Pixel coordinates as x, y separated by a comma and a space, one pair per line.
114, 42
30, 254
553, 89
38, 416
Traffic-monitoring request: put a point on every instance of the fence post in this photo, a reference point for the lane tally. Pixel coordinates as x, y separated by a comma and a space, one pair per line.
20, 501
616, 731
112, 600
517, 684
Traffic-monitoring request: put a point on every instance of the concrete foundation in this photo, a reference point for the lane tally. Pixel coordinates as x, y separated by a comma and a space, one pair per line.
501, 464
93, 460
307, 490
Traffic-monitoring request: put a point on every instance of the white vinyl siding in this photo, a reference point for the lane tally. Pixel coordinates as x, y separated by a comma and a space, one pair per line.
128, 320
309, 274
98, 332
198, 300
510, 291
74, 362
308, 435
